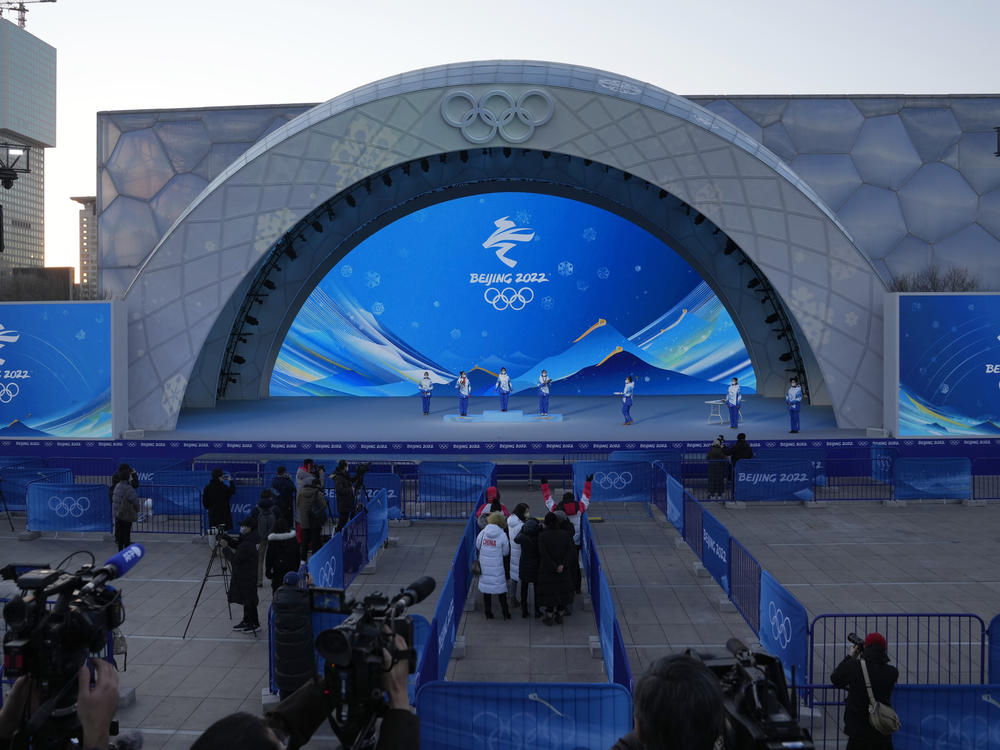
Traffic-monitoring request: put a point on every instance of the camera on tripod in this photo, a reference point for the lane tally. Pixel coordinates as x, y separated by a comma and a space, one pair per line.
353, 662
760, 711
52, 644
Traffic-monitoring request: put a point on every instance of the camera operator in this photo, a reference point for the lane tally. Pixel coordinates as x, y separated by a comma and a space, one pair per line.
739, 450
345, 486
126, 472
718, 468
215, 498
124, 507
292, 723
242, 554
678, 705
848, 675
309, 471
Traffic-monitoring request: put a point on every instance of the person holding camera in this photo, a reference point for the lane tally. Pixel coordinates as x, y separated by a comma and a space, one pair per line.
242, 555
718, 468
124, 508
307, 472
678, 705
216, 499
284, 488
739, 450
311, 504
344, 485
124, 471
868, 655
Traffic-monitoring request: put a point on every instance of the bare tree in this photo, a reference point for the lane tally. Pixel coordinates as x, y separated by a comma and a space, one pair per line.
933, 279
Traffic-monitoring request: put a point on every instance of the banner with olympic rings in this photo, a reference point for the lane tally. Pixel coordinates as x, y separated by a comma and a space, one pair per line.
715, 549
784, 626
68, 507
615, 481
16, 482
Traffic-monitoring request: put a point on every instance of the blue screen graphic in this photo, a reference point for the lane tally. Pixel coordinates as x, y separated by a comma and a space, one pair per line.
525, 281
949, 364
55, 370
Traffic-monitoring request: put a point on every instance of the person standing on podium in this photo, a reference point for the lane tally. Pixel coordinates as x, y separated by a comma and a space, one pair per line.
626, 394
544, 381
794, 400
734, 397
464, 388
503, 388
426, 386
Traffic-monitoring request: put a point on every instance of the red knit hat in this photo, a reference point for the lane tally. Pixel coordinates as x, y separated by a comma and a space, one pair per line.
491, 493
876, 638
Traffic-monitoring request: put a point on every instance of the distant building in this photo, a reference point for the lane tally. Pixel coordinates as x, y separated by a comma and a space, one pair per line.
38, 284
89, 288
27, 117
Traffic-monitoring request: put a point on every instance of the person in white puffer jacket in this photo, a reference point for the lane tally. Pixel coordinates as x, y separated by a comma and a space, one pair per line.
514, 524
493, 545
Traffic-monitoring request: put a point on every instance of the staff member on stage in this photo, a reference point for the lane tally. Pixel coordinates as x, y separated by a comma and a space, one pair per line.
503, 388
794, 400
426, 386
543, 393
734, 397
464, 388
626, 395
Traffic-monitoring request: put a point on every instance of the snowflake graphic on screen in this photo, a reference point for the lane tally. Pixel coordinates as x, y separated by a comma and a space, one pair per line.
565, 268
346, 270
372, 279
590, 234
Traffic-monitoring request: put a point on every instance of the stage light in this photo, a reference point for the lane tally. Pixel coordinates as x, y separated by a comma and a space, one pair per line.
626, 176
787, 356
406, 169
587, 162
772, 318
276, 268
268, 284
350, 200
662, 194
329, 213
546, 154
753, 283
425, 165
699, 218
506, 152
232, 380
716, 231
252, 320
290, 252
368, 185
317, 227
386, 180
731, 247
239, 360
443, 158
464, 156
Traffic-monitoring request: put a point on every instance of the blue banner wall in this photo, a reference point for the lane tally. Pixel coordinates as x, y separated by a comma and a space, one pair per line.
546, 716
615, 481
670, 461
947, 717
243, 502
62, 507
178, 478
174, 501
715, 549
16, 482
146, 466
993, 657
758, 479
932, 478
816, 456
675, 503
391, 483
378, 522
784, 626
355, 535
444, 481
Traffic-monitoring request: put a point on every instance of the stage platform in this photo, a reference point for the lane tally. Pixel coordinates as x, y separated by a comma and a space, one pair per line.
394, 425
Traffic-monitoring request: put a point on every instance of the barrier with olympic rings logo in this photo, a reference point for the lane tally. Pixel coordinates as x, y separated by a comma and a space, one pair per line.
784, 625
616, 481
68, 507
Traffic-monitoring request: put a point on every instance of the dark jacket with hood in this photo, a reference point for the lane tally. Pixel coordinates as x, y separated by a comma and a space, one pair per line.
555, 548
528, 539
739, 450
244, 562
848, 675
215, 497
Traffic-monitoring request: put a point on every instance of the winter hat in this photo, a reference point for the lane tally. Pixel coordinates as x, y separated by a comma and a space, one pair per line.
875, 639
492, 493
216, 472
291, 578
497, 518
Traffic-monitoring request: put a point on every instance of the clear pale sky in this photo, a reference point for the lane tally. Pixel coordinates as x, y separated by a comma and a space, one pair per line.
137, 54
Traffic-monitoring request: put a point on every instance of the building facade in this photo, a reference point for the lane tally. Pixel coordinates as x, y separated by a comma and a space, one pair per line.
89, 259
28, 118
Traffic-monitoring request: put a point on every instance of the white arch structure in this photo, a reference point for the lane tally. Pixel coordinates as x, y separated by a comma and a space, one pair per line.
825, 282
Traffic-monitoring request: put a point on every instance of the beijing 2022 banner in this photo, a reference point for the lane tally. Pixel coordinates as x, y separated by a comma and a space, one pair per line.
55, 370
949, 364
526, 281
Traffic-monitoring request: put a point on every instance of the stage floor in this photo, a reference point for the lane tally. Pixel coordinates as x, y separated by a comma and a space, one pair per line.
400, 420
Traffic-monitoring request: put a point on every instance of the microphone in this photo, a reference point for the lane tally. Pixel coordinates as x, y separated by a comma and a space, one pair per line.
118, 565
417, 591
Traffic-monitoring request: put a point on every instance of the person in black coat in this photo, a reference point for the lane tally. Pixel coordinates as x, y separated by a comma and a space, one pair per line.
282, 555
554, 590
284, 488
718, 468
294, 657
848, 675
242, 555
527, 570
215, 497
739, 450
343, 485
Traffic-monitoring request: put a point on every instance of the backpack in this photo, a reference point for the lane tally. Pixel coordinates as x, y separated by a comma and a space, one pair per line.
265, 522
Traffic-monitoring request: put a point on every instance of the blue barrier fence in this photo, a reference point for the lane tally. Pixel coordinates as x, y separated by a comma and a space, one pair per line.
55, 506
16, 482
616, 481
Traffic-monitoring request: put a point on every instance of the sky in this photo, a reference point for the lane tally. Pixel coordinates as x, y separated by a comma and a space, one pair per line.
136, 54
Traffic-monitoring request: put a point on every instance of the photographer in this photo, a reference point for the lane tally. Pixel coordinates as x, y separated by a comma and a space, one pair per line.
739, 450
849, 676
678, 705
308, 472
311, 504
718, 468
126, 472
124, 507
345, 485
242, 554
215, 498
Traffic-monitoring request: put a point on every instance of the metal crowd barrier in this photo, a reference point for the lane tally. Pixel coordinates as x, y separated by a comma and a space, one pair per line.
445, 496
744, 583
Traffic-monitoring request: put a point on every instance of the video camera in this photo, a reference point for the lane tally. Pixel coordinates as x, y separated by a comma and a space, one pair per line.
52, 644
353, 663
760, 712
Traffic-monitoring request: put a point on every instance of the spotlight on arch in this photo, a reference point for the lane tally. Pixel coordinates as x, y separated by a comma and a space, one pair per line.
239, 360
699, 218
731, 247
268, 284
662, 194
317, 227
786, 357
350, 200
753, 283
386, 180
425, 165
772, 318
290, 252
464, 156
252, 320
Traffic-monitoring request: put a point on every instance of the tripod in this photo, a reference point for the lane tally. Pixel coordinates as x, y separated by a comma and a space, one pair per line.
216, 553
3, 501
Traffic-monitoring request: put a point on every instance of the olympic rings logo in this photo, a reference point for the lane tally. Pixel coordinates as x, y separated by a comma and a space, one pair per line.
484, 110
613, 480
69, 506
8, 392
781, 626
508, 297
325, 577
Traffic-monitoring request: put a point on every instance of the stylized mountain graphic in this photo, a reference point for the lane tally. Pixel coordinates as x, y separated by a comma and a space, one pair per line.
649, 380
17, 428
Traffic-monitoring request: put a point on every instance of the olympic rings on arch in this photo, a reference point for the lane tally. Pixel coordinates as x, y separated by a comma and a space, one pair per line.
69, 506
8, 392
781, 625
508, 297
613, 480
483, 110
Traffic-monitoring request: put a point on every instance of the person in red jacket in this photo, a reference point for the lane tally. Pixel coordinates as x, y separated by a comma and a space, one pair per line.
492, 505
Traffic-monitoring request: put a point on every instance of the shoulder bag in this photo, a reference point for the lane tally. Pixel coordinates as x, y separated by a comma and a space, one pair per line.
882, 717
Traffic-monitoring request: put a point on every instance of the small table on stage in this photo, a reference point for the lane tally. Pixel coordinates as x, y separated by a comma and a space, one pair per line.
715, 410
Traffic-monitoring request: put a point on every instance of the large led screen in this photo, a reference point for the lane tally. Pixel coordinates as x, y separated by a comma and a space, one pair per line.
55, 370
525, 281
949, 364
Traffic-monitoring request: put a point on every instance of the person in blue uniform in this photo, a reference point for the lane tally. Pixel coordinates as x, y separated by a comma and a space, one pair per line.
544, 381
794, 400
503, 388
464, 388
426, 386
626, 395
734, 397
